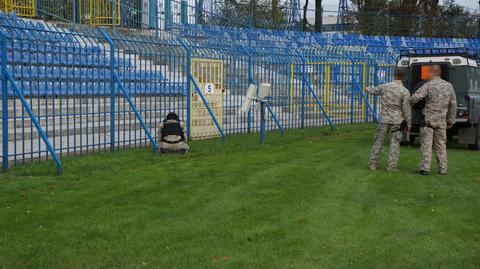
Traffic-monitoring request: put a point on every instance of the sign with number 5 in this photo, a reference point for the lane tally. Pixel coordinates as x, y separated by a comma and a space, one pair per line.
209, 88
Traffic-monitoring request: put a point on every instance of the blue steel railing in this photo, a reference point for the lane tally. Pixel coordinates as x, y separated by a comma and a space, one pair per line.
7, 77
91, 90
115, 78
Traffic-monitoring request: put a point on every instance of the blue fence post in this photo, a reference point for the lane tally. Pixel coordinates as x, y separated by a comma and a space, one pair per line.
116, 80
189, 83
152, 12
74, 15
352, 92
250, 22
302, 113
112, 89
183, 12
114, 14
157, 20
375, 83
250, 81
198, 12
168, 14
112, 96
262, 122
3, 41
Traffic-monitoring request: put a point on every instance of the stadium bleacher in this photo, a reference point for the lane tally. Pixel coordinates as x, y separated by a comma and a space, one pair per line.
56, 58
373, 44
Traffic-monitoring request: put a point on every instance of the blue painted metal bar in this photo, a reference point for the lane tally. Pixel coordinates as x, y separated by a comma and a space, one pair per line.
168, 14
74, 14
199, 92
112, 88
117, 79
183, 12
5, 154
304, 78
189, 83
315, 97
135, 111
262, 122
280, 128
352, 92
359, 89
375, 83
33, 118
250, 81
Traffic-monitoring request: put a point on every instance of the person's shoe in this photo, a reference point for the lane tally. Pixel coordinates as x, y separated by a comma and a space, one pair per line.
423, 173
442, 173
372, 167
391, 169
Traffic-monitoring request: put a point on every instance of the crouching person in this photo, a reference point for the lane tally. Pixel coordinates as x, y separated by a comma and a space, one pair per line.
171, 135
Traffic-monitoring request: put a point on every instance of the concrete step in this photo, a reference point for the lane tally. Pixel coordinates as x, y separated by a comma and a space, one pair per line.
66, 130
94, 106
56, 120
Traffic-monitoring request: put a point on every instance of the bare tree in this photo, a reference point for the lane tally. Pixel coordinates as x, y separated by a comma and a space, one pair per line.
304, 23
275, 15
430, 8
318, 16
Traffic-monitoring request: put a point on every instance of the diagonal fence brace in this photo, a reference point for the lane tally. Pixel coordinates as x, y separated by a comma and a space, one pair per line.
205, 102
33, 118
315, 97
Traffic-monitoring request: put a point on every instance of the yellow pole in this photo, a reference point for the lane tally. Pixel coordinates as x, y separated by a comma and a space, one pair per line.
364, 87
292, 85
91, 15
327, 89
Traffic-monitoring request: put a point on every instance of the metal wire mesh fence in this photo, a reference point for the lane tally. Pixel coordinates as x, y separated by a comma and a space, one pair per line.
72, 91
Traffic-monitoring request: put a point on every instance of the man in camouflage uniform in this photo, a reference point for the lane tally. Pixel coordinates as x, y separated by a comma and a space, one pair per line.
395, 100
439, 112
171, 135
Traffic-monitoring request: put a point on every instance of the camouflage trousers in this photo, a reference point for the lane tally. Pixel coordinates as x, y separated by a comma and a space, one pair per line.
436, 137
180, 147
383, 130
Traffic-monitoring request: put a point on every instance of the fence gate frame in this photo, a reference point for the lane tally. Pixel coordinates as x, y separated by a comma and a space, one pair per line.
99, 12
23, 8
206, 110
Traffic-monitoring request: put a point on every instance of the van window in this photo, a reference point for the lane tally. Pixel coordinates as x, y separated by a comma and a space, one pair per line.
419, 75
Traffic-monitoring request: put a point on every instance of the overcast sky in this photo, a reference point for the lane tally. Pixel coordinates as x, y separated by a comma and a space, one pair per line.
332, 5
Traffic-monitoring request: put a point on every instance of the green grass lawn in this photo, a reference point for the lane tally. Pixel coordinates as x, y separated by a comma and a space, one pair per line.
306, 200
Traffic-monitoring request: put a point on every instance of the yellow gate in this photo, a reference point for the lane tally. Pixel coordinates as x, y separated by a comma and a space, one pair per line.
332, 88
23, 8
99, 12
209, 75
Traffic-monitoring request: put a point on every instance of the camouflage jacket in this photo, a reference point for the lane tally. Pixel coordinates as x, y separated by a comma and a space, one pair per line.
395, 100
440, 102
170, 138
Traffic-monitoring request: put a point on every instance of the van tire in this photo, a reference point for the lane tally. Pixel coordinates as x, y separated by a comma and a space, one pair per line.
476, 146
412, 139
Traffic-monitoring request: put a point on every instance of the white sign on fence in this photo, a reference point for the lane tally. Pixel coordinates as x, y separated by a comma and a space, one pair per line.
209, 88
